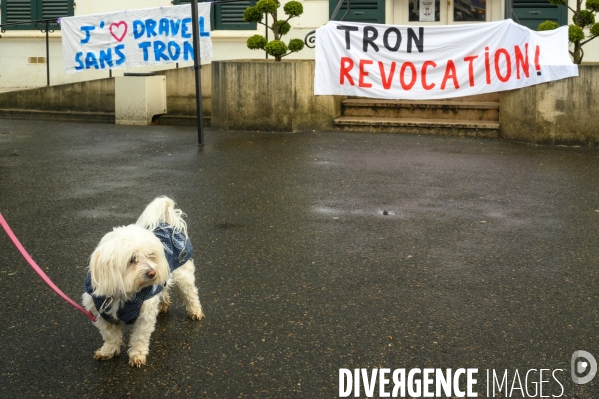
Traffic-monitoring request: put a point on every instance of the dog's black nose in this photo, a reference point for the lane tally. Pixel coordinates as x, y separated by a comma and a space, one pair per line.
151, 273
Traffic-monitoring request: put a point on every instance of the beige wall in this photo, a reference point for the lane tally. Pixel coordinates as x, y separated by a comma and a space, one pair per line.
269, 96
181, 91
559, 112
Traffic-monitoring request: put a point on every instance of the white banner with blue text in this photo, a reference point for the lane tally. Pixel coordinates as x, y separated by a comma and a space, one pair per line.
434, 62
135, 38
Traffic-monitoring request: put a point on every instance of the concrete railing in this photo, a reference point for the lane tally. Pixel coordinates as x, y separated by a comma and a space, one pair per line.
97, 97
90, 96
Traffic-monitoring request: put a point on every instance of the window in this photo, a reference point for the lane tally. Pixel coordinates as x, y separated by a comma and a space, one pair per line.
470, 10
424, 10
227, 16
32, 10
360, 11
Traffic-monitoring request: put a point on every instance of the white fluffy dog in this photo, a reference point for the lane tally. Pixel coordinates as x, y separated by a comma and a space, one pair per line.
129, 276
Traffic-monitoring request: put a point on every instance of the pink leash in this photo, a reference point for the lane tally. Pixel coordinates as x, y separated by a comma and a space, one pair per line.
39, 271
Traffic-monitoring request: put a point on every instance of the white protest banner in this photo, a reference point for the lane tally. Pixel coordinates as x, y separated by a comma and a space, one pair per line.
419, 63
134, 38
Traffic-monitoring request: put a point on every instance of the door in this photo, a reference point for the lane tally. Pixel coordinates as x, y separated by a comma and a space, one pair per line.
439, 12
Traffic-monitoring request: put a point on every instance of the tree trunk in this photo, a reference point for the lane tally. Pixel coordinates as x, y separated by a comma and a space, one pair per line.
577, 53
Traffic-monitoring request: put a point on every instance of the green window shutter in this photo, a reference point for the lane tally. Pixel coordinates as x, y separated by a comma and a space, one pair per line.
360, 11
531, 13
18, 10
31, 10
179, 2
56, 9
227, 16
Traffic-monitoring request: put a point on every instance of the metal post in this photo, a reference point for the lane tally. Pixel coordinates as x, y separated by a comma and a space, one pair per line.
266, 31
197, 67
47, 55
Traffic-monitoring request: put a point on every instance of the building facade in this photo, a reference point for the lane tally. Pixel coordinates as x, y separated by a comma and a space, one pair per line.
24, 61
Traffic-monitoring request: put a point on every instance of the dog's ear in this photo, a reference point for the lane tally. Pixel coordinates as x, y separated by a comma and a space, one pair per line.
105, 270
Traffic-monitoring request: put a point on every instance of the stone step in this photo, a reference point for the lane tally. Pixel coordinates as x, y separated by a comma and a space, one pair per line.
493, 97
434, 109
180, 120
371, 102
96, 117
446, 127
63, 116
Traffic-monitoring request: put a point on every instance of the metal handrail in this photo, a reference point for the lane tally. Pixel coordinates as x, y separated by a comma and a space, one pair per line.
337, 8
49, 20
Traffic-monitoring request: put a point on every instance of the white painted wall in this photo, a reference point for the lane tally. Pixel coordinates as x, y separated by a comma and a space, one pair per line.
17, 46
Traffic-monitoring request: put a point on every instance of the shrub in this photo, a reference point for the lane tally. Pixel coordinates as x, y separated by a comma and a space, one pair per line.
547, 25
279, 27
256, 42
582, 19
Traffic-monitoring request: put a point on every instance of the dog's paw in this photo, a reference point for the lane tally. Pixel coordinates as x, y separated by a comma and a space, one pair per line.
163, 307
196, 314
137, 360
165, 302
106, 353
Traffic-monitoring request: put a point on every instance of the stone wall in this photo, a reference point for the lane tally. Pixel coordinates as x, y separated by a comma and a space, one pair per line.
97, 96
181, 91
560, 112
278, 96
89, 96
269, 96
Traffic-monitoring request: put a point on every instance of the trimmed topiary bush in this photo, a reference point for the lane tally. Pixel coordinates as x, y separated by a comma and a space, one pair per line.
279, 27
582, 19
547, 25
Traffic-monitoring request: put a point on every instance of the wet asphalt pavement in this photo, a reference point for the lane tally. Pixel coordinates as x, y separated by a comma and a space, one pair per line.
487, 258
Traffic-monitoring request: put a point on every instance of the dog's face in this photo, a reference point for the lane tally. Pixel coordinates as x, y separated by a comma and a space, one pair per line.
127, 259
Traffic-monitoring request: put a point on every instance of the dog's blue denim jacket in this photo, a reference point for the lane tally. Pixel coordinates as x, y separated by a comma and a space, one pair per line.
177, 249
